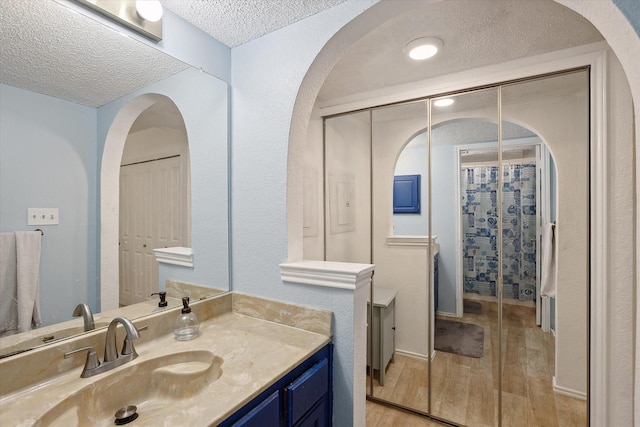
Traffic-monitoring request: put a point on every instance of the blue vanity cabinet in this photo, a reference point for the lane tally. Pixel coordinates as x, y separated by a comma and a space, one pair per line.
305, 395
266, 413
302, 398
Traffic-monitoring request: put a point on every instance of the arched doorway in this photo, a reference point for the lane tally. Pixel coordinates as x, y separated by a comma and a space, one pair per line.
112, 157
154, 197
621, 37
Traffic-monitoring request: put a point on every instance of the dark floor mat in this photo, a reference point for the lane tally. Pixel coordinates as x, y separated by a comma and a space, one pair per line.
461, 338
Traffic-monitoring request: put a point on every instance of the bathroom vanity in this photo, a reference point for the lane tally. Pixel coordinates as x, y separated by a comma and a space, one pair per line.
301, 398
252, 359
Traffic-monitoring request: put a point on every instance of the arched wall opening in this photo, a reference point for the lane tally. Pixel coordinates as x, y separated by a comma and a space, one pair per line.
110, 195
623, 41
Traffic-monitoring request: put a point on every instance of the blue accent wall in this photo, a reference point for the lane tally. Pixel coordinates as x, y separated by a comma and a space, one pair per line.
48, 160
631, 10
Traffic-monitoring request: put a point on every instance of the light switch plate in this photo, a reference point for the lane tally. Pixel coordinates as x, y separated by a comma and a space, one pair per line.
42, 216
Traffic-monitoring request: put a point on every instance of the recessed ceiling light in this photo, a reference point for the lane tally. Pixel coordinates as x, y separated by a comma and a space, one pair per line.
149, 10
422, 48
444, 102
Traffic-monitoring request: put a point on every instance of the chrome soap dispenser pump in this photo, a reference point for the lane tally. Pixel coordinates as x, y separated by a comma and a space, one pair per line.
186, 326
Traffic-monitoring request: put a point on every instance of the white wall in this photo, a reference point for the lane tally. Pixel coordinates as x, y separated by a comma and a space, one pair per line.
313, 197
621, 245
47, 160
348, 188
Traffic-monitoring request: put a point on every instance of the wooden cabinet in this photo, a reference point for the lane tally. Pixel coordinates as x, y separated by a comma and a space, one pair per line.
303, 397
384, 328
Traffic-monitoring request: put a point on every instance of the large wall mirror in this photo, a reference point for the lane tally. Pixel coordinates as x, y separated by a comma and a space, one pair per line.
75, 96
474, 209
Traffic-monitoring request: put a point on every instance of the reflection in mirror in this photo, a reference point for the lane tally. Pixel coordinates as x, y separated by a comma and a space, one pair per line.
54, 120
462, 387
154, 197
401, 296
464, 326
545, 254
348, 188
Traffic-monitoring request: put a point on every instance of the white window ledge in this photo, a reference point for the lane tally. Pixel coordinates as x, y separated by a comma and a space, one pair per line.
176, 256
331, 274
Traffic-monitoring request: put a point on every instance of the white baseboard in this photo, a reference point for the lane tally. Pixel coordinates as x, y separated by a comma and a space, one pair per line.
414, 355
447, 314
568, 392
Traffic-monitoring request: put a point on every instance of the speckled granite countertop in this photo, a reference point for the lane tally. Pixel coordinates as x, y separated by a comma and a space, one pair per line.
257, 340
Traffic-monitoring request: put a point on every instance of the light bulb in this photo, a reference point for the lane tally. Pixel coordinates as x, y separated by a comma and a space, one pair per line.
423, 48
149, 10
444, 102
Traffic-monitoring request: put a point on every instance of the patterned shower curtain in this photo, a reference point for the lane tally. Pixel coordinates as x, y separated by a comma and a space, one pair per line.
480, 229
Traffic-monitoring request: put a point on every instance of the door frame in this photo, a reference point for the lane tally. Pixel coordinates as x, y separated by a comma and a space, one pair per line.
593, 56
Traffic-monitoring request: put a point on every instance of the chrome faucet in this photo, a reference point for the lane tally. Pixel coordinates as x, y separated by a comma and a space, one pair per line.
84, 311
111, 346
112, 359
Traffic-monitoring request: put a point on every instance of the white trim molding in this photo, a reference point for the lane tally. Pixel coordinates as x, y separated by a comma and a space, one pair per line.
176, 256
568, 392
410, 240
598, 392
330, 274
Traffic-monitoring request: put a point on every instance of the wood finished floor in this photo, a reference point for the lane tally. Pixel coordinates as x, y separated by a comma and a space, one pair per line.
465, 388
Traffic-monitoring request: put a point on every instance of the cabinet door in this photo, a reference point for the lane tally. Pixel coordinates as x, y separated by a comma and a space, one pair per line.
266, 414
317, 417
309, 388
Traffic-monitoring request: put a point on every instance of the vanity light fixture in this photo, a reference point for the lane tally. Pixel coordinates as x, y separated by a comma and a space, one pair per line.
444, 102
150, 10
422, 48
142, 16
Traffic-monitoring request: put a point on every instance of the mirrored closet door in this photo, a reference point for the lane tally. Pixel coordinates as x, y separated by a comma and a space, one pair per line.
466, 220
401, 226
474, 209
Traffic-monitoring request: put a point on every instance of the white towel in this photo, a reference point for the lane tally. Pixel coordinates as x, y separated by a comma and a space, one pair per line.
8, 297
548, 273
28, 275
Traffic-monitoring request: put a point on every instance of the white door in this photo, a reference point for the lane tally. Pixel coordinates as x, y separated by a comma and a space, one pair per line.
152, 215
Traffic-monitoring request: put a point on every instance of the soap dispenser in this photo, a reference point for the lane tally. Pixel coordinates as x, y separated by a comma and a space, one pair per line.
186, 326
163, 298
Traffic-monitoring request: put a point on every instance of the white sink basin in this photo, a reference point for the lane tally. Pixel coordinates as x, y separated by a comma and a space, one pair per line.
155, 386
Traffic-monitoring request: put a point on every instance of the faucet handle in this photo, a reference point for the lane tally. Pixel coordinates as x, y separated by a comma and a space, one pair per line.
92, 361
127, 346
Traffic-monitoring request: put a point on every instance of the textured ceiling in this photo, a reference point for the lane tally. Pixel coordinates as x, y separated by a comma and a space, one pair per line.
49, 49
234, 22
475, 34
46, 48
